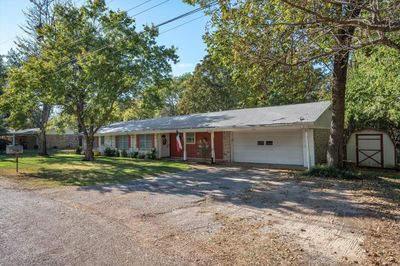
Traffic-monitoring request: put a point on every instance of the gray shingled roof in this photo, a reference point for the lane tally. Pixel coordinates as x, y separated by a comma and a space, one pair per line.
23, 132
294, 114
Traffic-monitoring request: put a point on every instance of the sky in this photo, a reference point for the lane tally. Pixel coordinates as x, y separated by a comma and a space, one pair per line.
186, 38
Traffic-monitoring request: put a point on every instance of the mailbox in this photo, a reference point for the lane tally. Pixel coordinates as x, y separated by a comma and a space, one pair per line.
14, 149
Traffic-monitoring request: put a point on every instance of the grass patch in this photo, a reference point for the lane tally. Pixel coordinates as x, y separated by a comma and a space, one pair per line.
325, 171
61, 169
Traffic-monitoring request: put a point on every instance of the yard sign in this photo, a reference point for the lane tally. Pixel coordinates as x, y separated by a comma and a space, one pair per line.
15, 149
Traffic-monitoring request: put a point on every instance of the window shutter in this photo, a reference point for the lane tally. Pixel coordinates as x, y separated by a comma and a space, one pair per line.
129, 141
116, 142
138, 141
153, 140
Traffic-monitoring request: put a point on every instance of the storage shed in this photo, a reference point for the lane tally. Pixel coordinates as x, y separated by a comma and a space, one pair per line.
371, 148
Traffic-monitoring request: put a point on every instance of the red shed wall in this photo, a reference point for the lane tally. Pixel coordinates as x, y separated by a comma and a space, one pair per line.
192, 149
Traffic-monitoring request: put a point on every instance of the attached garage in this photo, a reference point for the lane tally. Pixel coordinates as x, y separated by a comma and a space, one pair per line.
271, 147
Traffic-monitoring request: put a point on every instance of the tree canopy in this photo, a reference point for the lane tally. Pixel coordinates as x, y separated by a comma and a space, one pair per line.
284, 33
97, 58
373, 91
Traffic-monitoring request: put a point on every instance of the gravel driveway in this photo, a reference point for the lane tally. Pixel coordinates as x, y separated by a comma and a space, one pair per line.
211, 215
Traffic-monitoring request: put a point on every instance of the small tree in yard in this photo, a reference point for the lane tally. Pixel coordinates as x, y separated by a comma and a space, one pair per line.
25, 99
295, 32
98, 59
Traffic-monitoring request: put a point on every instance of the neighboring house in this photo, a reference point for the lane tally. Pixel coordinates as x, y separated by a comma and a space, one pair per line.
284, 135
30, 140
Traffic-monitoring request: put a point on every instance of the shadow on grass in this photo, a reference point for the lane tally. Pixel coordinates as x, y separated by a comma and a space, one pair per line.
106, 174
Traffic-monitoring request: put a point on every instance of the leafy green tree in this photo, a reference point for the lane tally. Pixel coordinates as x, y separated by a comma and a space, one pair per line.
156, 100
3, 75
373, 94
216, 85
26, 101
209, 88
294, 33
98, 60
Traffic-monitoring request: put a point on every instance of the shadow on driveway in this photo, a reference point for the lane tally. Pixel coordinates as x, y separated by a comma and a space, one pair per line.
266, 189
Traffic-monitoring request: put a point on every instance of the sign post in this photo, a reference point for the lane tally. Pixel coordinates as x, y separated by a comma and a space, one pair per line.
17, 150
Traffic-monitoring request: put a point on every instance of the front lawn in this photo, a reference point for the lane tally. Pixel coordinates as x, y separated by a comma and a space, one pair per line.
69, 169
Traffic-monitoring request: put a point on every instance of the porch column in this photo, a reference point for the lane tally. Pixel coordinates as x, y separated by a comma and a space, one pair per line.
159, 146
308, 148
13, 139
212, 148
184, 146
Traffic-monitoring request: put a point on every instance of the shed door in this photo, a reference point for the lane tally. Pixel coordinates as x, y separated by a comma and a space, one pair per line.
369, 149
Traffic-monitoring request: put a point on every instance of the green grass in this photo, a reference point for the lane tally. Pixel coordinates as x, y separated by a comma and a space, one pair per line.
325, 171
69, 169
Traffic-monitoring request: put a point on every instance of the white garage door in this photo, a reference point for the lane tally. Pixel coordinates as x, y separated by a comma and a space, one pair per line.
268, 147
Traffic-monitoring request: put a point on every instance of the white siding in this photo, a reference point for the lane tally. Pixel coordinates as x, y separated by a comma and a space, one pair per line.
324, 121
109, 141
287, 147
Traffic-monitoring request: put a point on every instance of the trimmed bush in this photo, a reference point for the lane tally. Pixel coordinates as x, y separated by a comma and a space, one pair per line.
134, 154
78, 150
141, 156
109, 152
124, 154
152, 154
325, 171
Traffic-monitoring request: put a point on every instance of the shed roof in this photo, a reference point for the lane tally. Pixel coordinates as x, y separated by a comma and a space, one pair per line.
294, 114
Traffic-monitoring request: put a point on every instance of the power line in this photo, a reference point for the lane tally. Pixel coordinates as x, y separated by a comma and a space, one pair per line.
139, 5
183, 15
180, 25
6, 41
150, 8
157, 26
108, 2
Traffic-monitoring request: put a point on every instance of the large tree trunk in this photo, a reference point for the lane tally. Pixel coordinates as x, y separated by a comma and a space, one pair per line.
335, 148
45, 114
89, 139
42, 143
340, 65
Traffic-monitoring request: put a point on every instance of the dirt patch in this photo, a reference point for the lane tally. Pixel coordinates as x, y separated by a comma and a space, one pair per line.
382, 243
241, 241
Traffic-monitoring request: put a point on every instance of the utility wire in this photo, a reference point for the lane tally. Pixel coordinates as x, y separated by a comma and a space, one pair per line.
139, 5
108, 2
180, 25
157, 26
150, 8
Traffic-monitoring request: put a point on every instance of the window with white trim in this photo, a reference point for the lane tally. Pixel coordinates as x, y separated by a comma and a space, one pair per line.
146, 141
122, 142
102, 140
190, 138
